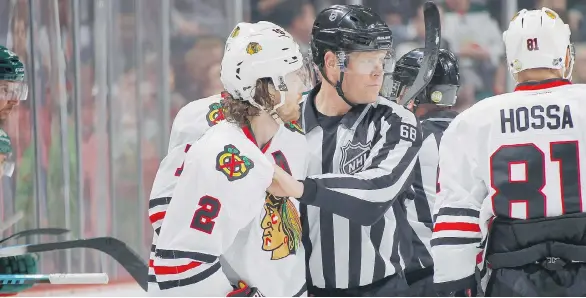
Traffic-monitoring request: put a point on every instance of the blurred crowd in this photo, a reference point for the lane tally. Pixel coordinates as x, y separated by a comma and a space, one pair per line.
87, 161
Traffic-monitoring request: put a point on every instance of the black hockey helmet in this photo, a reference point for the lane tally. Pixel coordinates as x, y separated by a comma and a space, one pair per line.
343, 29
442, 88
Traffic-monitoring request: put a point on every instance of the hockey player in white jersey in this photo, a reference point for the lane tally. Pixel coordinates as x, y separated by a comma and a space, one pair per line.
511, 204
190, 124
223, 234
433, 109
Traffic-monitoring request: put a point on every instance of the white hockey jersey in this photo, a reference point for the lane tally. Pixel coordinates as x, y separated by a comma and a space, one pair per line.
190, 124
221, 226
515, 155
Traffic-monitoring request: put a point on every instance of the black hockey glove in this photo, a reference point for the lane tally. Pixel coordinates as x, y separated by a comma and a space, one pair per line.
243, 290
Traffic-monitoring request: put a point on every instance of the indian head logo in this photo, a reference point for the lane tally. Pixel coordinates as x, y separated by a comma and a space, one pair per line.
253, 48
281, 227
215, 114
354, 156
232, 164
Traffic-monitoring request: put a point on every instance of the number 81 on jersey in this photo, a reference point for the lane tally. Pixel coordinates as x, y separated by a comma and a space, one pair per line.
518, 177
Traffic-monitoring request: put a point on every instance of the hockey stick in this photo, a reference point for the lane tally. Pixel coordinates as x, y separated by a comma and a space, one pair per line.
432, 46
113, 247
45, 231
55, 279
11, 221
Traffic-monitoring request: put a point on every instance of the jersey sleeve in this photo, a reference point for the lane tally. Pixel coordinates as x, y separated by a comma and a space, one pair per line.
220, 191
456, 234
364, 197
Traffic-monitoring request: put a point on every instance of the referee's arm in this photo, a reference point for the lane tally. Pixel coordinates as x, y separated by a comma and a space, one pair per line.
364, 197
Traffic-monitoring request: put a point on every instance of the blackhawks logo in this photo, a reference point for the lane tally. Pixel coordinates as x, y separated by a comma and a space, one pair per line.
253, 48
232, 164
235, 32
215, 115
294, 127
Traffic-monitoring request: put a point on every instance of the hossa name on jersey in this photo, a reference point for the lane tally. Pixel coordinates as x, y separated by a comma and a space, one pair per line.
536, 117
221, 225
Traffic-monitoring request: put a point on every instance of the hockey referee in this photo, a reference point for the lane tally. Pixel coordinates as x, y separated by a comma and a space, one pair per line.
362, 152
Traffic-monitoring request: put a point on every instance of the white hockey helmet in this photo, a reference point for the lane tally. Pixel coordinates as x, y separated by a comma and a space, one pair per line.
538, 39
264, 50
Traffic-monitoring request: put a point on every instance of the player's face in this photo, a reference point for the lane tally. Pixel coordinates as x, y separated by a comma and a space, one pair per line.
295, 84
363, 77
6, 107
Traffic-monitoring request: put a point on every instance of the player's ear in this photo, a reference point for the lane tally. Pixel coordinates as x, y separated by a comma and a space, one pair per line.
330, 60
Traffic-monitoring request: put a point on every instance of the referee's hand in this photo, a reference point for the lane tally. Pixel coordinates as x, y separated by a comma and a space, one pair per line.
284, 185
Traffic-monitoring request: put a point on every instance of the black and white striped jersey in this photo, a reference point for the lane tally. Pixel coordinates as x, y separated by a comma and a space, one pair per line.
355, 230
420, 206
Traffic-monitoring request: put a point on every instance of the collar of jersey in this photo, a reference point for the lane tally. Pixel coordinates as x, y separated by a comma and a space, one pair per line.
250, 135
530, 86
310, 112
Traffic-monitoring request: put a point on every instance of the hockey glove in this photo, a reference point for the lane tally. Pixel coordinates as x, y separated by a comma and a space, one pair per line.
243, 290
24, 264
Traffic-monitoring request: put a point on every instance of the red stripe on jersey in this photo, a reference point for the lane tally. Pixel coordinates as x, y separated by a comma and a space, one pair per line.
528, 86
157, 216
250, 135
164, 270
456, 226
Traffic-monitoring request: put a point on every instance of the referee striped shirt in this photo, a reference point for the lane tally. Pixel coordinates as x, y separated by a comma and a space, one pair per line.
420, 206
355, 230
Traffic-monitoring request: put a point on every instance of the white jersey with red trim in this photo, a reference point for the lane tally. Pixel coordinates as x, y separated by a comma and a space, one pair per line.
190, 124
516, 155
221, 226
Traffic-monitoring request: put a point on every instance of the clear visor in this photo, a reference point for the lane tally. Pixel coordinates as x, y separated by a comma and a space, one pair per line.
299, 81
13, 90
367, 62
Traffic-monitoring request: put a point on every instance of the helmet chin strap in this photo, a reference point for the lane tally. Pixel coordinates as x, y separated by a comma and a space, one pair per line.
337, 86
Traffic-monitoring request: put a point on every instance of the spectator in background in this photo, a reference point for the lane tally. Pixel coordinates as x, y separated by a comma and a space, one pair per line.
296, 17
396, 14
417, 25
579, 76
477, 40
206, 52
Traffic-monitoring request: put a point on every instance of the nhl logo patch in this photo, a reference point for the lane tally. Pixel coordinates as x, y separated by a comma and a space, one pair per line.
215, 114
232, 164
294, 127
353, 157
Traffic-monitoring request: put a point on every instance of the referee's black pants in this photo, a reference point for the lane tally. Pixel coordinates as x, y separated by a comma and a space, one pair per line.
390, 286
421, 283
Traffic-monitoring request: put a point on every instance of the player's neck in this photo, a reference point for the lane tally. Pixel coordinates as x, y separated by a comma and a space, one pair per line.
264, 127
537, 75
329, 103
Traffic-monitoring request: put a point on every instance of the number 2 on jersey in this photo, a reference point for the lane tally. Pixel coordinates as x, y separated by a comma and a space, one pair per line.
526, 191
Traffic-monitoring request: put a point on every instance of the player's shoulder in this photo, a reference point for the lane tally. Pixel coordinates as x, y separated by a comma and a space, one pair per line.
388, 109
194, 118
228, 138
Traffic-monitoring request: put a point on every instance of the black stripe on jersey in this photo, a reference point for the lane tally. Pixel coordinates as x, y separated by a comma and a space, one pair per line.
459, 212
421, 256
456, 212
159, 201
376, 237
158, 230
165, 285
179, 254
153, 247
306, 240
421, 200
395, 258
328, 251
403, 229
454, 241
152, 278
354, 254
